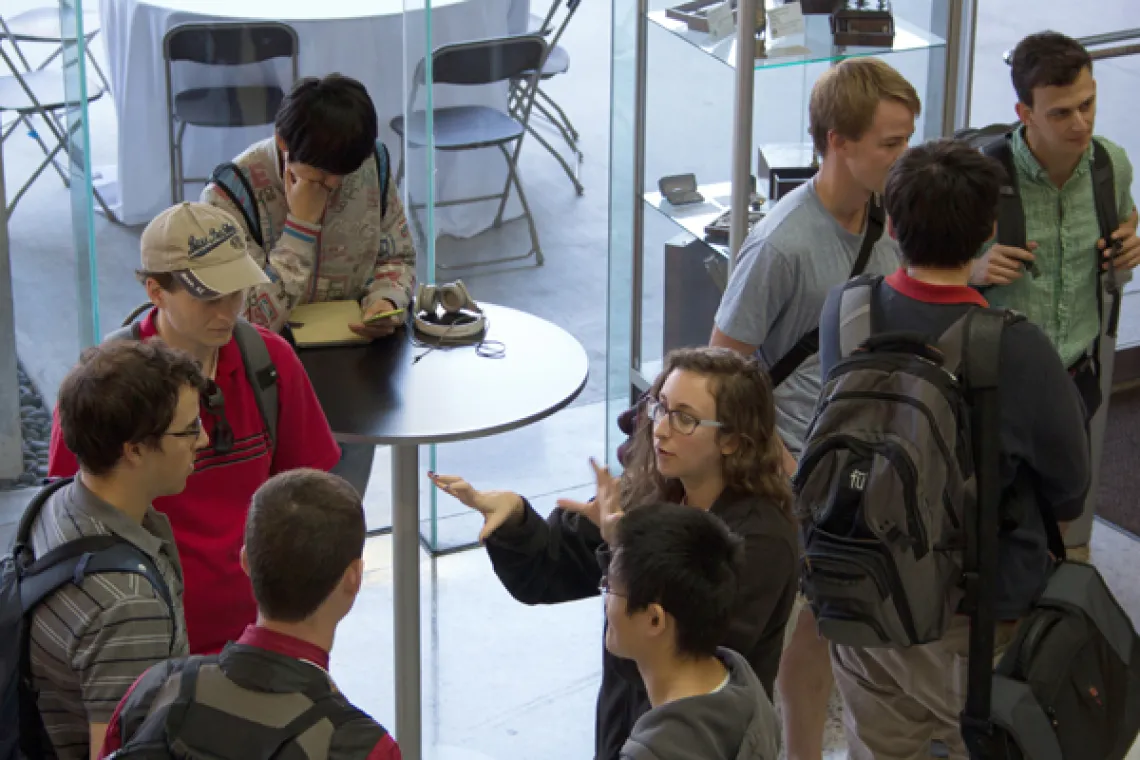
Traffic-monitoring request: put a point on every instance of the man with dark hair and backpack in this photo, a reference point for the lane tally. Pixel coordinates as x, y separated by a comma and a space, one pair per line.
94, 553
258, 408
1067, 218
318, 203
270, 690
830, 228
889, 476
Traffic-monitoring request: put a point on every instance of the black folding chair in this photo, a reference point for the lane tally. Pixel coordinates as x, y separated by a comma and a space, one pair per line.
462, 128
557, 63
222, 45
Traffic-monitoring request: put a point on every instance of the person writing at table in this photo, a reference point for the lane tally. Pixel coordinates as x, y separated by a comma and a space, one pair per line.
323, 218
706, 439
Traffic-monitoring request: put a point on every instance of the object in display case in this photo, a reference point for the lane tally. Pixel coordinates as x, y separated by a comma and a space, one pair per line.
819, 7
783, 180
717, 231
680, 189
695, 15
867, 23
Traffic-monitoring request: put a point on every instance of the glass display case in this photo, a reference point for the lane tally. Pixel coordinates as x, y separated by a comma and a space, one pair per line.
683, 105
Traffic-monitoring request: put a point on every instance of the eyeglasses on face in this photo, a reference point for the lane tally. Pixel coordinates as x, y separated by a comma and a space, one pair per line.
192, 432
682, 422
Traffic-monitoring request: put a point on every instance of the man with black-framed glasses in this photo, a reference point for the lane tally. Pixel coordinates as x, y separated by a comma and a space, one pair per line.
130, 413
196, 269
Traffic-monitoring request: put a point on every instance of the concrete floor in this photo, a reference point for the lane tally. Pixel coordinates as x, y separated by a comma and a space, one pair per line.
524, 685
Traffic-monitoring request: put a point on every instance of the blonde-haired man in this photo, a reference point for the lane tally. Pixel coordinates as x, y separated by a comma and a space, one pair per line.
861, 116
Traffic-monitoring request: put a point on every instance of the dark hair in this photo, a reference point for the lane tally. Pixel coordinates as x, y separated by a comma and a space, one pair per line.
329, 124
165, 280
744, 406
942, 199
303, 530
122, 392
1046, 59
686, 560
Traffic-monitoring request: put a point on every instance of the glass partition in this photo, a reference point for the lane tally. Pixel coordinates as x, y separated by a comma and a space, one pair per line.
48, 296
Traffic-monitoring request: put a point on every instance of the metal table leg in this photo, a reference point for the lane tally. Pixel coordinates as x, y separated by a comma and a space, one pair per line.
406, 620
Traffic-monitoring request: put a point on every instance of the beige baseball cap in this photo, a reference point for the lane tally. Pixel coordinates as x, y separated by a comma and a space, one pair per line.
203, 247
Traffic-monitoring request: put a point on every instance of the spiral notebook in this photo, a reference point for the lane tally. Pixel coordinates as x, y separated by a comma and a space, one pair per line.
325, 324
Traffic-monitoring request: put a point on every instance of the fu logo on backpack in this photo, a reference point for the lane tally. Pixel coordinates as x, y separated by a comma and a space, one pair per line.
886, 476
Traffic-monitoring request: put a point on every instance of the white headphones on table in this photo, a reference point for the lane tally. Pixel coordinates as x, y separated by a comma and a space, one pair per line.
446, 315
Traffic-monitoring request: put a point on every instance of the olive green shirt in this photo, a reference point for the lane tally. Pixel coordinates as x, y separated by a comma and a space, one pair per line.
1062, 299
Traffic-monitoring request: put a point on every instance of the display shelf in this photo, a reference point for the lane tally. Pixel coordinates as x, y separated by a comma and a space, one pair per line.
694, 217
814, 45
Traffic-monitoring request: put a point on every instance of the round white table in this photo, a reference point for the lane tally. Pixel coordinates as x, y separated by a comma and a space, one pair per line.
378, 42
391, 392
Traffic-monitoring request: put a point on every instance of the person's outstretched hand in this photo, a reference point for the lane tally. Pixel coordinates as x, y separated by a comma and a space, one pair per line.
605, 508
497, 507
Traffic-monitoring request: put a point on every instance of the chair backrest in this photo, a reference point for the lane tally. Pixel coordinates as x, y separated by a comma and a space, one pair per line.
487, 61
230, 44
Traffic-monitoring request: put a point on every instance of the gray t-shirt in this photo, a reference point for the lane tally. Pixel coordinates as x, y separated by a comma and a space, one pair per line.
793, 257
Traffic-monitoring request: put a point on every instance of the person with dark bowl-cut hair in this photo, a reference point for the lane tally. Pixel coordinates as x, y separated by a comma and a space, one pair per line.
318, 200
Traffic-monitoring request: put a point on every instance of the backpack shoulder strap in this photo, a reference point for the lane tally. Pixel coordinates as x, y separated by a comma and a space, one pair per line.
1011, 216
261, 373
127, 332
1104, 196
75, 560
855, 314
382, 175
981, 354
809, 343
32, 511
231, 181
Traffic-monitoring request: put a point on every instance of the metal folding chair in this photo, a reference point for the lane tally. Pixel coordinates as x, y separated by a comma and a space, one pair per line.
557, 62
42, 26
221, 45
42, 93
463, 128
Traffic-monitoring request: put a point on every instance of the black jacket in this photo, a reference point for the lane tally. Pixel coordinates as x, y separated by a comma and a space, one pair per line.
555, 560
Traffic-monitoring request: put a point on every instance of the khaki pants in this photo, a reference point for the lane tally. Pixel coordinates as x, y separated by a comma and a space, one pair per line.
897, 701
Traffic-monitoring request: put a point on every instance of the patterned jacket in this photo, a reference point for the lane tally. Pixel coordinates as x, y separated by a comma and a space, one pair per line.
354, 253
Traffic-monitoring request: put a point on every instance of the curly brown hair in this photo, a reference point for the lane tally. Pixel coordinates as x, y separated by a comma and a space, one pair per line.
744, 407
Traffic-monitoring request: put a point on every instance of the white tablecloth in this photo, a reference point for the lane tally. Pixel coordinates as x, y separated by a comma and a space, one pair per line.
364, 39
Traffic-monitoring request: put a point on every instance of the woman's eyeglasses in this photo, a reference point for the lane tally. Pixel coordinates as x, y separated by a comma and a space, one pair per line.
682, 422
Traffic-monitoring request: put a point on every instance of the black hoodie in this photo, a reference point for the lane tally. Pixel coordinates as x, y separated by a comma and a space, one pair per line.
555, 560
735, 722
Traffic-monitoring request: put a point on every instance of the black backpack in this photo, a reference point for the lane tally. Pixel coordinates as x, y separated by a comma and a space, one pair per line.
994, 141
1068, 685
232, 181
259, 367
887, 474
25, 582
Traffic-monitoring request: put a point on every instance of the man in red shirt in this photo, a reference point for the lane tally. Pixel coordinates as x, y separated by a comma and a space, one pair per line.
196, 270
304, 552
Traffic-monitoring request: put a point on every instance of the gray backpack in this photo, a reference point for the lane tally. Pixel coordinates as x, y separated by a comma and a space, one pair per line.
259, 367
886, 477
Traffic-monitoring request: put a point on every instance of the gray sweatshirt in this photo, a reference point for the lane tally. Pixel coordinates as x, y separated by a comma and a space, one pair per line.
736, 722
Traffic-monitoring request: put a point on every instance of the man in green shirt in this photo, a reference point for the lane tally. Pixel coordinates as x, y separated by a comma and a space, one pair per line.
1054, 280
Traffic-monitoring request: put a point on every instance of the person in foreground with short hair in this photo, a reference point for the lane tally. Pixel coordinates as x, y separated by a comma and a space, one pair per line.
129, 411
304, 548
196, 271
706, 438
942, 200
1053, 157
862, 115
328, 236
670, 589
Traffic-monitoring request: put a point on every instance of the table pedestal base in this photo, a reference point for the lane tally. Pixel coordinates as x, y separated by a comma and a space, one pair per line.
406, 612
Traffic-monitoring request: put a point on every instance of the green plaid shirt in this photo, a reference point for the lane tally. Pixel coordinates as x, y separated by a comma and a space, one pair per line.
1062, 299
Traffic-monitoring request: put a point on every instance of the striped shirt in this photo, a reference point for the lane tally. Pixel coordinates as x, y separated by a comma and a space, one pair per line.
90, 642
